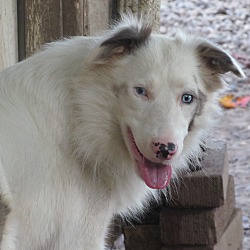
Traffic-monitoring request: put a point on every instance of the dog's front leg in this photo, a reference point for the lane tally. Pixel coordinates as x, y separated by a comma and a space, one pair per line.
90, 239
83, 242
84, 227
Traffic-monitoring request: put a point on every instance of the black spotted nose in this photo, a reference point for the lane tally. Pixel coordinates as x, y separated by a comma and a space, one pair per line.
164, 151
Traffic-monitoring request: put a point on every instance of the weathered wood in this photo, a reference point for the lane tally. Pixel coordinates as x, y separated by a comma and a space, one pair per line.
233, 234
140, 8
72, 17
8, 33
182, 226
21, 30
142, 237
207, 187
230, 240
41, 23
197, 226
96, 16
85, 17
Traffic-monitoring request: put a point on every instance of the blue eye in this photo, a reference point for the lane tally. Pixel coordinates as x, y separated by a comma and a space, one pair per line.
187, 98
141, 91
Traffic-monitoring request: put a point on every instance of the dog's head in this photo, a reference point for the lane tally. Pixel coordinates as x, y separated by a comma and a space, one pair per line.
165, 94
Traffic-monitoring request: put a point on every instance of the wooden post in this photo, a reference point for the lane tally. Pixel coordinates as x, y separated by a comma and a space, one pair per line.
96, 16
72, 17
8, 33
85, 17
39, 22
141, 8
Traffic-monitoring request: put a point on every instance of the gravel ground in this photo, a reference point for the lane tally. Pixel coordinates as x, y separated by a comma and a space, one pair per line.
228, 24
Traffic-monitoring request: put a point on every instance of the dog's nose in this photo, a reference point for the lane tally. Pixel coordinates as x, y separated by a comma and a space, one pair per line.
164, 151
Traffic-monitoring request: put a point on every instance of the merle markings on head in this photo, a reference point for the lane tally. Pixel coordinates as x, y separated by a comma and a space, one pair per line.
125, 40
165, 90
136, 34
218, 60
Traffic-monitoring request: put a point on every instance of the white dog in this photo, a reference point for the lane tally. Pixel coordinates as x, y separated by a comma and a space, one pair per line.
94, 126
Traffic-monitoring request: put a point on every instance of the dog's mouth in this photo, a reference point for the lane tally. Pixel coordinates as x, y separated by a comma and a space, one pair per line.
156, 175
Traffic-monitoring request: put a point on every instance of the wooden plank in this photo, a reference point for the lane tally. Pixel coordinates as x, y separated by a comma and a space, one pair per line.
204, 188
197, 226
72, 17
21, 29
8, 33
42, 23
230, 240
96, 16
233, 234
144, 237
149, 9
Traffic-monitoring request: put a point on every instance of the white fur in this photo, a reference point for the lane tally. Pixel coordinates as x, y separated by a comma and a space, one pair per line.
65, 166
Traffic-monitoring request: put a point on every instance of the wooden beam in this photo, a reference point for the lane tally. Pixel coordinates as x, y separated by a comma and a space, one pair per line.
40, 22
72, 17
85, 17
8, 33
96, 16
149, 9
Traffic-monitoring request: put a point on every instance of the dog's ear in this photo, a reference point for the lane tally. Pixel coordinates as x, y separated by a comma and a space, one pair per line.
217, 60
124, 40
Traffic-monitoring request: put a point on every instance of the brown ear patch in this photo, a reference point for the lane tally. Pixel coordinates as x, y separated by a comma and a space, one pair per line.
217, 60
125, 40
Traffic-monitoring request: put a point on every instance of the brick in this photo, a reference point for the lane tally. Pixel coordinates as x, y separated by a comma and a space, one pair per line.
233, 236
206, 188
142, 237
196, 226
151, 217
230, 240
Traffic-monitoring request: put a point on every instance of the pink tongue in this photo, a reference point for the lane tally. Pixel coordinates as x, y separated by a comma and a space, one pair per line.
155, 175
